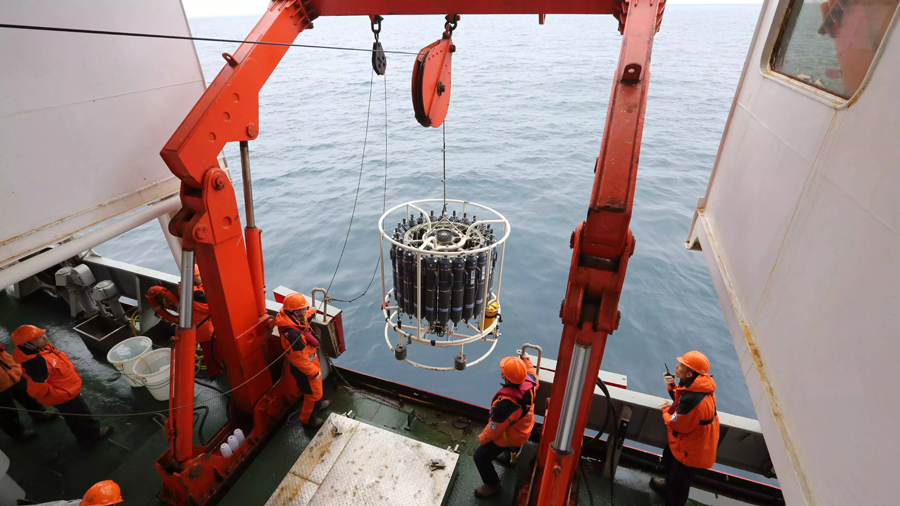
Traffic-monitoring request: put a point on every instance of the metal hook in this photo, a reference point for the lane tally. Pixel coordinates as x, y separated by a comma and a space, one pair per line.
450, 24
376, 25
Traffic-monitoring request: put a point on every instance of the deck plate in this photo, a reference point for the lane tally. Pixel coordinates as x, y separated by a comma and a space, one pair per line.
353, 463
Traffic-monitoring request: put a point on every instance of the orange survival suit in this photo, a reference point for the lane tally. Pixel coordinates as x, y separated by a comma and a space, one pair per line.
52, 380
693, 423
300, 343
10, 371
512, 412
205, 332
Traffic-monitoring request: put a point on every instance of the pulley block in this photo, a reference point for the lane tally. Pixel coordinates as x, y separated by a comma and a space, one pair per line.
431, 82
379, 60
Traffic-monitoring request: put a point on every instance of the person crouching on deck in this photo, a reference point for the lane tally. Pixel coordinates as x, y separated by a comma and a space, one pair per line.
298, 339
512, 418
693, 427
53, 381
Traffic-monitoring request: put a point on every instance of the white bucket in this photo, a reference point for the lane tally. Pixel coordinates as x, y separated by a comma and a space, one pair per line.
124, 355
152, 370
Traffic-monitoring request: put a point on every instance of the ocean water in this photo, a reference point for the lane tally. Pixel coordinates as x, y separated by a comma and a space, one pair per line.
524, 128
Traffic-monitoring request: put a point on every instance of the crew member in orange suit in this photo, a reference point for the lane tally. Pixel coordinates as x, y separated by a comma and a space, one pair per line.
300, 342
512, 418
692, 424
53, 381
13, 387
205, 331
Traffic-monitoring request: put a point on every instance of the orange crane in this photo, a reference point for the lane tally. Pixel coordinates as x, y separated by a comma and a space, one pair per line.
230, 259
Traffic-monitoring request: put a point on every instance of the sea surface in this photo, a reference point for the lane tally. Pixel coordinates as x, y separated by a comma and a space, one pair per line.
524, 127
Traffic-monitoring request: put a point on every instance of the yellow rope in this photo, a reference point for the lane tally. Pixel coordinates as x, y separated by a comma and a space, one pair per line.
199, 365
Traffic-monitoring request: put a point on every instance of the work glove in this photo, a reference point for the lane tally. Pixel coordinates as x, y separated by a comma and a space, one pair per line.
664, 404
670, 380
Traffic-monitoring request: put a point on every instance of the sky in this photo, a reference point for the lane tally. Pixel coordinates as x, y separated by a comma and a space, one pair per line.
209, 8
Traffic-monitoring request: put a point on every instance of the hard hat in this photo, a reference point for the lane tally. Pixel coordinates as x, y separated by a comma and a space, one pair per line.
103, 493
26, 333
294, 302
695, 361
513, 369
196, 270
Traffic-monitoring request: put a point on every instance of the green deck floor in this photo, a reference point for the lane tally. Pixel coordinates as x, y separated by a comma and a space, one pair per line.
55, 467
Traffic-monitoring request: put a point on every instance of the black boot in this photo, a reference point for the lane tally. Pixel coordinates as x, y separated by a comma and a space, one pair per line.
485, 491
314, 423
324, 403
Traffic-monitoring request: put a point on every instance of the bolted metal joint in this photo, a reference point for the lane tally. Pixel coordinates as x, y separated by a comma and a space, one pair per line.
219, 182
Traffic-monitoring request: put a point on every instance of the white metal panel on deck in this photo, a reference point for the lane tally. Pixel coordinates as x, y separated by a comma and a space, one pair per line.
352, 463
83, 117
800, 227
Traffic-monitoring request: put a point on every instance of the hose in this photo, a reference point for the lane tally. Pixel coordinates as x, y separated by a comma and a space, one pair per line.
613, 435
212, 350
202, 422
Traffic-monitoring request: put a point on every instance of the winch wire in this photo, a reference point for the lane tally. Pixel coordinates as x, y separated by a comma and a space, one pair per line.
444, 155
362, 163
383, 200
186, 37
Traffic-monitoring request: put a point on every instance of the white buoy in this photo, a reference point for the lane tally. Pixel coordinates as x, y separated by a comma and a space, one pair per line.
225, 449
239, 435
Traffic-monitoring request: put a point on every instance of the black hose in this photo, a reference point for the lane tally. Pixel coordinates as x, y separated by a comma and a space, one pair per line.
613, 435
212, 351
587, 486
202, 422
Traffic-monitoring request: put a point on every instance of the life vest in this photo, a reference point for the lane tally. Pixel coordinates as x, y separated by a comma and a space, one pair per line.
62, 383
521, 422
10, 371
307, 359
518, 394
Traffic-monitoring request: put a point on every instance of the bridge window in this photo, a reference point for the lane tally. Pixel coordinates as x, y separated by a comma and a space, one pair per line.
831, 44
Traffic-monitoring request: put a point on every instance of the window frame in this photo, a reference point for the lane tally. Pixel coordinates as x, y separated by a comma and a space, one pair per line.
777, 30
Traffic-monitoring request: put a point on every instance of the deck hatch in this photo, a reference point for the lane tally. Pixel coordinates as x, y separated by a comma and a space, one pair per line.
352, 463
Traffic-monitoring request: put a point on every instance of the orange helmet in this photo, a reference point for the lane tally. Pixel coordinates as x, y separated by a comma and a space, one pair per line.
26, 333
695, 361
103, 493
294, 302
513, 369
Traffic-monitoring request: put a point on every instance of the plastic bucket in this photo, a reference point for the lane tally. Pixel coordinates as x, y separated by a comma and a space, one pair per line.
152, 370
124, 355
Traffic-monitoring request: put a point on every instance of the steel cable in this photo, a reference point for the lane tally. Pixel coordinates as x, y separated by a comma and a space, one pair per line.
362, 163
383, 200
187, 37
